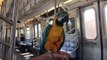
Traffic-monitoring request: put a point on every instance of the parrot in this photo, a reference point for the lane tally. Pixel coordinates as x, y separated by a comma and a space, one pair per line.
53, 37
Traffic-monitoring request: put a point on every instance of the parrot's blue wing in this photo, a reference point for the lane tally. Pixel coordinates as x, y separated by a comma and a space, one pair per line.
43, 39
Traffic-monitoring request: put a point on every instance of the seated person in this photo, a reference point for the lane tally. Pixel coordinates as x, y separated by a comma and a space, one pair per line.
71, 43
22, 43
17, 42
22, 38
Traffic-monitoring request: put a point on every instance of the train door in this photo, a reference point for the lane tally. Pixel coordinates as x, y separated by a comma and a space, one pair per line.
90, 32
104, 27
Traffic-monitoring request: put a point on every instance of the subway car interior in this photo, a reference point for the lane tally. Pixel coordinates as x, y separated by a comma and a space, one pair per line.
31, 28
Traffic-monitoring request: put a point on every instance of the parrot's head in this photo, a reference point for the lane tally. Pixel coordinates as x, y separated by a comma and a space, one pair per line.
62, 18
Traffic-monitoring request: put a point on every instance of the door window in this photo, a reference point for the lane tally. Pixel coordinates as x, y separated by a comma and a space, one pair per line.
89, 17
106, 16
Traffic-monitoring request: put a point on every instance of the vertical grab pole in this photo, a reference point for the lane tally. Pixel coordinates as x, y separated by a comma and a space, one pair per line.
100, 26
14, 18
59, 8
55, 1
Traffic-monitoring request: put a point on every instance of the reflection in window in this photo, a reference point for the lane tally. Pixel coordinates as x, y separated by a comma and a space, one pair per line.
106, 16
35, 30
90, 23
39, 27
28, 33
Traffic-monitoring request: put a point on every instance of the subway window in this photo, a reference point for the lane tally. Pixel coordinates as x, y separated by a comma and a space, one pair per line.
35, 30
28, 33
16, 33
39, 27
90, 23
22, 32
106, 16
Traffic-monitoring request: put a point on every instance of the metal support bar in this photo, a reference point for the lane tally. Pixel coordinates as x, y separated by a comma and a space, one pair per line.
58, 5
81, 35
55, 1
14, 18
101, 32
6, 20
4, 43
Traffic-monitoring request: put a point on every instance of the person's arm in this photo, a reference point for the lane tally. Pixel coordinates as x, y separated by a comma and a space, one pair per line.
50, 57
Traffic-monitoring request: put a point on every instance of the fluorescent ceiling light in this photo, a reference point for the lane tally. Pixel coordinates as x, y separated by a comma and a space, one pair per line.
67, 1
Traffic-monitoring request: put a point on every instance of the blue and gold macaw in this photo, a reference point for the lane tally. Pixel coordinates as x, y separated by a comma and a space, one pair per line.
53, 36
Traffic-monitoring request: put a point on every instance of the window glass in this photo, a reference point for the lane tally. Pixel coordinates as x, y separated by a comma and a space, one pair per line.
35, 30
106, 16
39, 27
22, 32
16, 33
90, 23
28, 33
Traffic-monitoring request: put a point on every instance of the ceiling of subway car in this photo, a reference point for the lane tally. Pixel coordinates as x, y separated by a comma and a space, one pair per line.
41, 12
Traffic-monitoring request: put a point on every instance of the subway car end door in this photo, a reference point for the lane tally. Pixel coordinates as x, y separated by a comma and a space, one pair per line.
91, 32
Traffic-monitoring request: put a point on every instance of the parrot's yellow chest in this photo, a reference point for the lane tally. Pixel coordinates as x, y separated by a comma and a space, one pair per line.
54, 39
